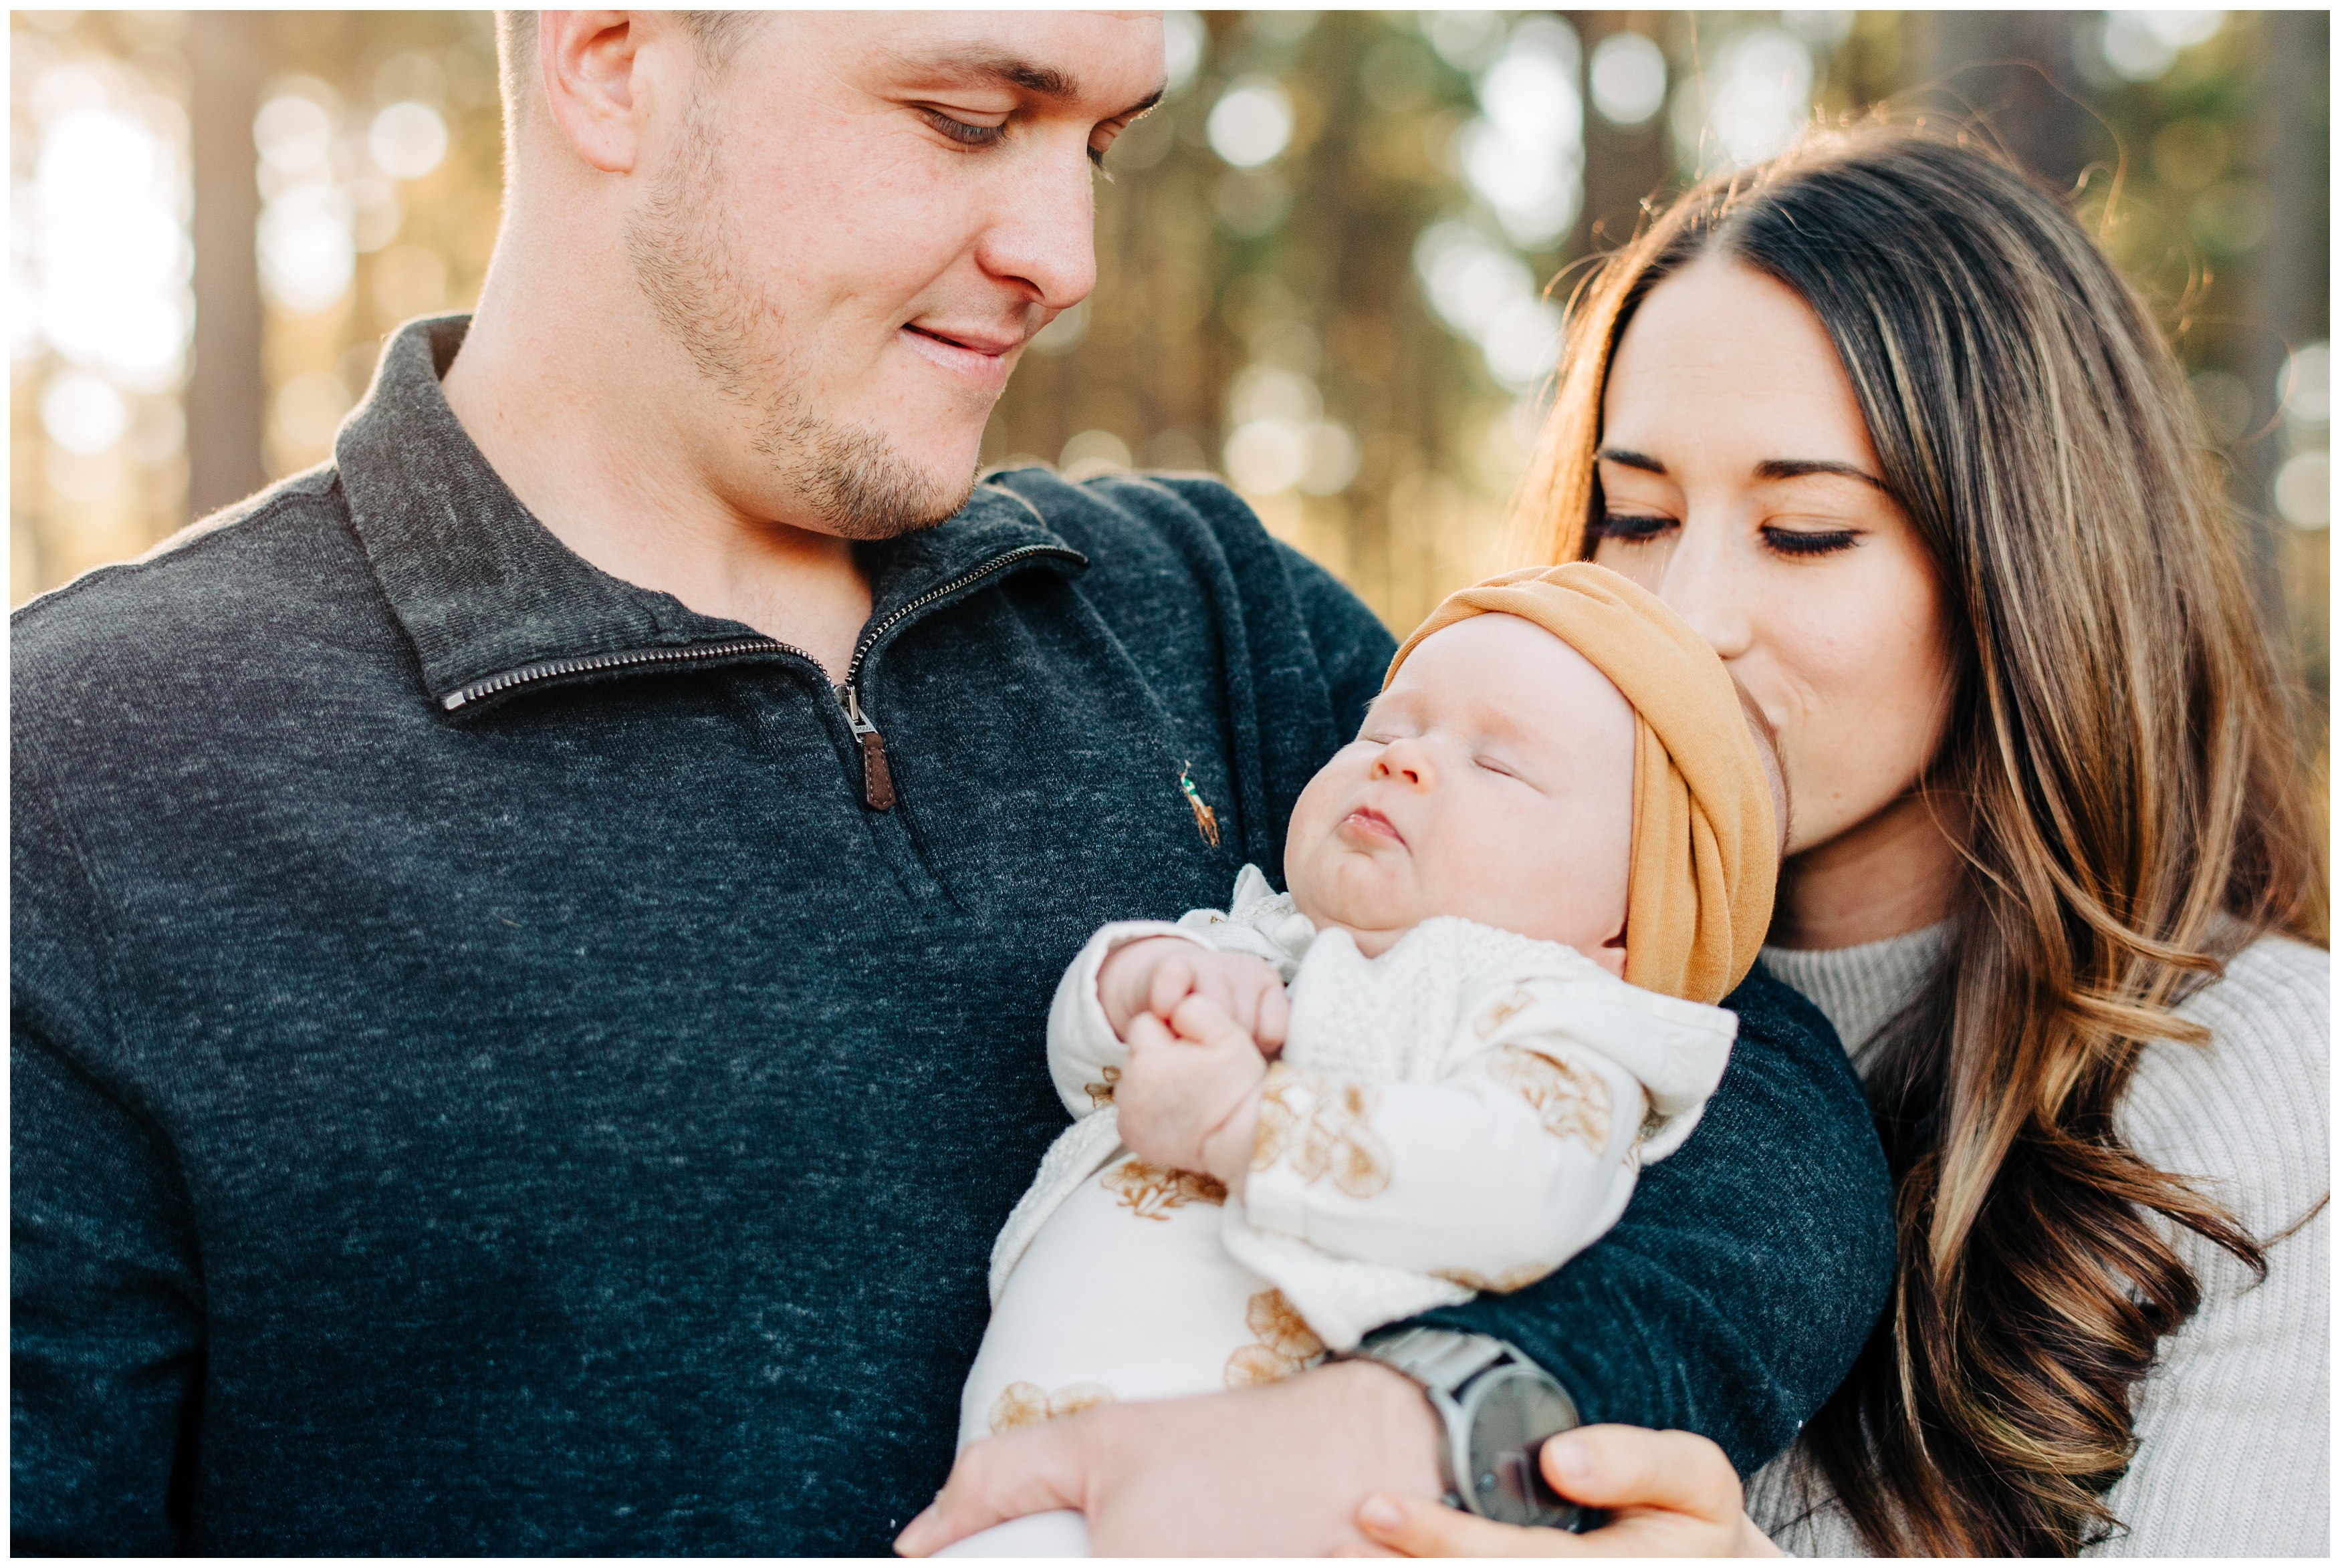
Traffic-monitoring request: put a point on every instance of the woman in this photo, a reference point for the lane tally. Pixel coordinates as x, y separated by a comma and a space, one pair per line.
1881, 421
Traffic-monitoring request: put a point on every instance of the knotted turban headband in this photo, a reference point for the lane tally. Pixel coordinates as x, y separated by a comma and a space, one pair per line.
1705, 845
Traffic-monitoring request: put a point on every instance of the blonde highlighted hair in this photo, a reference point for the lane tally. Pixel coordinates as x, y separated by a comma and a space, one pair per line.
2128, 773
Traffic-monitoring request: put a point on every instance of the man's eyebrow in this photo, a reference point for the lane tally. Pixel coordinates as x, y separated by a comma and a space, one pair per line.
1043, 81
1006, 71
1798, 468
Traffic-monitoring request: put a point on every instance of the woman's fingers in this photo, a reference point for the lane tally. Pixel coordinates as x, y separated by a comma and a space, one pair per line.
1671, 1494
1633, 1467
1419, 1527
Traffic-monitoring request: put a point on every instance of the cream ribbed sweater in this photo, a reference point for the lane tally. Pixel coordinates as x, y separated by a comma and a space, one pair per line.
2233, 1429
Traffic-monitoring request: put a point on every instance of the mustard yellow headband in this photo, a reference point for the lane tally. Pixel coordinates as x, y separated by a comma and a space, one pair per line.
1704, 856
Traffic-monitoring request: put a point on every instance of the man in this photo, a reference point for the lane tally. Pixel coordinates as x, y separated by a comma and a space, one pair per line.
530, 941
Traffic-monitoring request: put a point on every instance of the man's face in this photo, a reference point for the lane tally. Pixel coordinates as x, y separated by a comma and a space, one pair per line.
856, 223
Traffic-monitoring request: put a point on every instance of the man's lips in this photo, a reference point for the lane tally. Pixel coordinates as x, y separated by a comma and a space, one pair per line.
981, 358
1365, 822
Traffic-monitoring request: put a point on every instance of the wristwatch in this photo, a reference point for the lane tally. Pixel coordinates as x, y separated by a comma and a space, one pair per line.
1498, 1406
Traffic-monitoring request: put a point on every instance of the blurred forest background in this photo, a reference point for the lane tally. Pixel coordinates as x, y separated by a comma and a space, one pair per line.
1326, 263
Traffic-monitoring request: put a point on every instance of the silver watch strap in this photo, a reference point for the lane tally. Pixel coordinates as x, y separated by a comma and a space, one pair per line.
1440, 1358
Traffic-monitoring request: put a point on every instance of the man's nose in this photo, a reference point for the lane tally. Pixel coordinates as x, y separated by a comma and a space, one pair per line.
1706, 583
1044, 234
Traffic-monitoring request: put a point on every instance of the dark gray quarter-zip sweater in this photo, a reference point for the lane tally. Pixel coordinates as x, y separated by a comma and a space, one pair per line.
503, 1063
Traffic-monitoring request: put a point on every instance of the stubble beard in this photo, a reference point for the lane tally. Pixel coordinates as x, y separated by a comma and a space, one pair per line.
689, 264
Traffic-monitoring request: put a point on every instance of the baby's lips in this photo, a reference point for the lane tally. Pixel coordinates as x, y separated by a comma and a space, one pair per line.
1365, 822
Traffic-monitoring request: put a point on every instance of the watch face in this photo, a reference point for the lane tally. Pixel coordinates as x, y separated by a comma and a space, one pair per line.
1510, 1412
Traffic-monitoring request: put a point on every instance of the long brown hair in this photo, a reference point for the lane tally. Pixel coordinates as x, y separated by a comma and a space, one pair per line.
2128, 781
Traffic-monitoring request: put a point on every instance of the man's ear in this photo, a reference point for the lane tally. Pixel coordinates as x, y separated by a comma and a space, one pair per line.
586, 62
1610, 954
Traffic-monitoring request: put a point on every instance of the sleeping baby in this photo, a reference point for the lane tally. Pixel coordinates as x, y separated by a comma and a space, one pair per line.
1436, 1065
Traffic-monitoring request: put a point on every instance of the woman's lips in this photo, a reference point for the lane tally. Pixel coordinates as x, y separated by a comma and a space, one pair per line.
984, 361
1365, 822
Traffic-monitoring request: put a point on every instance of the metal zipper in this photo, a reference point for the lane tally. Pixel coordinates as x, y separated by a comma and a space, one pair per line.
876, 773
552, 669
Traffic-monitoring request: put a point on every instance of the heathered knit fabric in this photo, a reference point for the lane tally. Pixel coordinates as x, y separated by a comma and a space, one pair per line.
2234, 1424
574, 1121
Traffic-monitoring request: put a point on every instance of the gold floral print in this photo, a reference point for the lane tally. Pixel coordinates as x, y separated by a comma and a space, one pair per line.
1321, 1125
1573, 1099
1285, 1345
1510, 1279
1503, 1011
1028, 1404
1101, 1094
1149, 1189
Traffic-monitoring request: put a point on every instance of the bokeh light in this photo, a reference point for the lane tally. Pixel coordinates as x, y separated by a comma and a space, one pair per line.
1252, 122
1629, 78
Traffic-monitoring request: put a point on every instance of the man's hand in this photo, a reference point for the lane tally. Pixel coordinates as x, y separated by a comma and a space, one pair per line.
1278, 1470
1669, 1494
1154, 975
1190, 1100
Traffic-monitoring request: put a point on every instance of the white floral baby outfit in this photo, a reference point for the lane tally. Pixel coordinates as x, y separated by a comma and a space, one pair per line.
1465, 1112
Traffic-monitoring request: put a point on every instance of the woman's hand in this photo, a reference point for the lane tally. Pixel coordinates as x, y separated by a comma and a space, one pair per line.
1668, 1494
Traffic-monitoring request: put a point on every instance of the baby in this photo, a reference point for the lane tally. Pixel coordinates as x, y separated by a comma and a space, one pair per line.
1514, 898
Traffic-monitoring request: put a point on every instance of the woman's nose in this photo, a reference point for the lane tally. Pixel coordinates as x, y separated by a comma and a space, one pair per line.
1703, 582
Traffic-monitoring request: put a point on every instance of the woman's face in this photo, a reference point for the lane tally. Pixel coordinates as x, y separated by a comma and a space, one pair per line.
1739, 485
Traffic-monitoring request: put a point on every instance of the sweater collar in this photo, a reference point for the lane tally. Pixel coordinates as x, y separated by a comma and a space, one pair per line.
483, 587
1861, 989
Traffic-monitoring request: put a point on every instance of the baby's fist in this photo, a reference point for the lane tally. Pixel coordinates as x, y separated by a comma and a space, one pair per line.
1190, 1100
1155, 975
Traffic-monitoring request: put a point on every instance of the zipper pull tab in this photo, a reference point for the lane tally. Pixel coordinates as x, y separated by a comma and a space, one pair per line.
876, 775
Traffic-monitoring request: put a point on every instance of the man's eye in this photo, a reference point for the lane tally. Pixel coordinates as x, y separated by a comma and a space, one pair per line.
1630, 530
961, 132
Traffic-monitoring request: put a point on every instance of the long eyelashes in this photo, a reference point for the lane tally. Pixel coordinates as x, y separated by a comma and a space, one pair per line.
1631, 530
960, 132
1788, 543
968, 135
1627, 530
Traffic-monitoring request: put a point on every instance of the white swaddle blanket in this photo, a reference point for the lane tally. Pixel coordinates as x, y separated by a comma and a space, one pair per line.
1464, 1112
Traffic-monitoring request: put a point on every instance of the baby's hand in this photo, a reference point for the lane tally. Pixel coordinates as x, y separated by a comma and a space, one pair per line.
1190, 1100
1154, 976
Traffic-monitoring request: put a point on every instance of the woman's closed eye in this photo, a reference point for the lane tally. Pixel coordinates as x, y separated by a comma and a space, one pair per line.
1795, 542
1809, 541
1632, 530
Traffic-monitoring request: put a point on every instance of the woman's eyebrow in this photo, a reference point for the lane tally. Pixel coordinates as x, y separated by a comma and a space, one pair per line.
1619, 455
1798, 468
